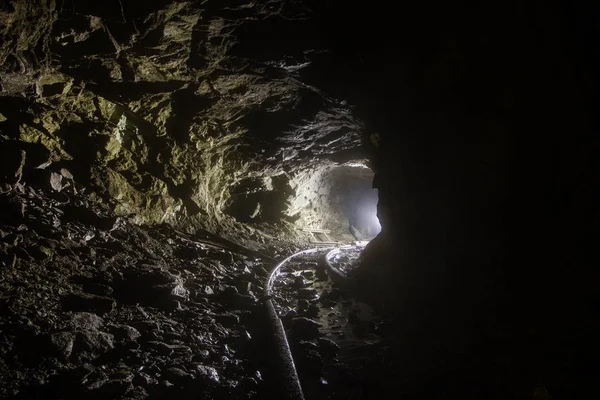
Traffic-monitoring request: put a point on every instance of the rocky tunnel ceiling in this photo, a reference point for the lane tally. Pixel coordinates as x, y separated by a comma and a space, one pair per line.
337, 198
171, 110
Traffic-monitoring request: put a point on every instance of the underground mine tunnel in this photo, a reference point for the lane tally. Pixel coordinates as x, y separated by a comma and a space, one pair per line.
337, 200
298, 200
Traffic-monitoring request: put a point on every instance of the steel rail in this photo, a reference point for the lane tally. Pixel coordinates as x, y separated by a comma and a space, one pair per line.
291, 388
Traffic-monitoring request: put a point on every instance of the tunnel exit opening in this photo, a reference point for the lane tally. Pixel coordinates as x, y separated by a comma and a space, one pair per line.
332, 203
358, 199
339, 199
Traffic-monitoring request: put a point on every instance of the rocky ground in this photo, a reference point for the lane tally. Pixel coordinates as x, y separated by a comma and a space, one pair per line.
336, 341
93, 305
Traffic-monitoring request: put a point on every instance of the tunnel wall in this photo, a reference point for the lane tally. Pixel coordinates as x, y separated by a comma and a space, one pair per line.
331, 197
165, 111
484, 156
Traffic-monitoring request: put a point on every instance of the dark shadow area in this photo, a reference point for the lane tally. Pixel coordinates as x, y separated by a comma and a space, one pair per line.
485, 172
276, 39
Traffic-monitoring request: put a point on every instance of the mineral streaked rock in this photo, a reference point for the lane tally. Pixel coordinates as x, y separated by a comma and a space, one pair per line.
166, 117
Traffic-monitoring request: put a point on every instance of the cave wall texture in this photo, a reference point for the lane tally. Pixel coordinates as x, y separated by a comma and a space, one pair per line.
158, 108
477, 119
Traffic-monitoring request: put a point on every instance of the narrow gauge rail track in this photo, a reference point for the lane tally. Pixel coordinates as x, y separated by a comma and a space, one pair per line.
324, 338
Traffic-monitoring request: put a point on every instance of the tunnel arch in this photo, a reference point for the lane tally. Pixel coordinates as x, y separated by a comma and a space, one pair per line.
339, 198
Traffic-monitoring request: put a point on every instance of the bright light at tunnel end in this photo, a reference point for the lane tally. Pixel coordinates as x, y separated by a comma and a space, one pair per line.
368, 221
375, 223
